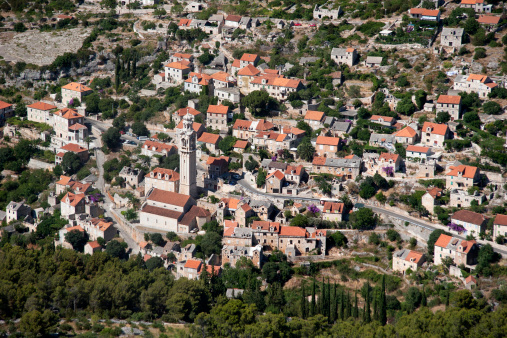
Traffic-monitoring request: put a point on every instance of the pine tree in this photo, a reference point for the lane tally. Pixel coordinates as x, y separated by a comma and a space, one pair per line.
367, 304
383, 302
312, 305
303, 302
375, 307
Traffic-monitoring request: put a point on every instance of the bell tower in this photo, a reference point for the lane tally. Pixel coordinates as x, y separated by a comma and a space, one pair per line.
188, 169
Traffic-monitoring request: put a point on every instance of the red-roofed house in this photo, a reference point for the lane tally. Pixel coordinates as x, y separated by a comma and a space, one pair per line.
81, 152
418, 152
151, 148
450, 104
217, 166
74, 90
388, 160
425, 14
177, 57
69, 125
249, 59
274, 182
277, 86
407, 259
462, 177
6, 110
461, 252
294, 173
176, 71
232, 21
91, 247
217, 117
246, 75
406, 135
315, 118
490, 21
210, 141
500, 226
333, 211
347, 56
473, 222
383, 120
474, 83
240, 146
244, 129
327, 146
196, 82
434, 134
163, 179
61, 236
40, 112
72, 204
180, 113
477, 5
98, 227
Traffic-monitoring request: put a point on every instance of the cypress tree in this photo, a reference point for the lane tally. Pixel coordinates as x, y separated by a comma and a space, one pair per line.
349, 306
356, 309
332, 303
303, 302
134, 66
128, 68
375, 307
447, 299
322, 298
424, 301
383, 302
328, 301
117, 74
312, 305
342, 307
367, 313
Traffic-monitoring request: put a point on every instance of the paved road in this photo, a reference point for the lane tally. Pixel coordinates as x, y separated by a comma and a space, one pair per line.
101, 158
379, 210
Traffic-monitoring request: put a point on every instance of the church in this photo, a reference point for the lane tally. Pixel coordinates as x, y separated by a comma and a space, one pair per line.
170, 210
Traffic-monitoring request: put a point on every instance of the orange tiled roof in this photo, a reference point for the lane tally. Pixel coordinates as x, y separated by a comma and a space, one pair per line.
168, 197
443, 240
177, 65
278, 174
193, 264
294, 170
319, 160
68, 113
73, 199
182, 55
314, 115
489, 19
184, 22
435, 128
232, 203
385, 118
449, 99
218, 161
236, 63
74, 148
406, 132
389, 156
234, 18
77, 87
329, 141
195, 126
414, 255
4, 105
77, 126
249, 57
291, 231
500, 220
188, 110
218, 109
171, 174
333, 207
465, 170
64, 180
265, 225
425, 12
469, 217
76, 227
471, 2
209, 138
220, 76
159, 147
241, 144
249, 70
477, 77
435, 192
94, 244
41, 106
350, 50
418, 149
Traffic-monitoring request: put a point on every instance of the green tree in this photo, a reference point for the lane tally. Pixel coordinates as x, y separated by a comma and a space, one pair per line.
77, 239
471, 26
154, 263
433, 239
257, 101
92, 103
71, 163
20, 110
306, 127
211, 243
402, 81
111, 138
442, 117
406, 107
116, 249
305, 150
35, 324
363, 218
261, 178
227, 144
139, 128
492, 108
160, 12
383, 303
381, 197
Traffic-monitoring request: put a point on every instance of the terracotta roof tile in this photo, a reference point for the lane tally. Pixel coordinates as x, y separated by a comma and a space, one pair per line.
150, 209
378, 117
4, 105
169, 197
449, 99
500, 220
73, 199
418, 149
406, 132
333, 207
389, 156
77, 87
40, 106
171, 174
278, 174
177, 65
314, 115
319, 160
74, 148
290, 231
249, 70
218, 109
249, 57
158, 146
330, 141
209, 138
241, 144
468, 217
435, 128
465, 170
188, 110
416, 256
443, 240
